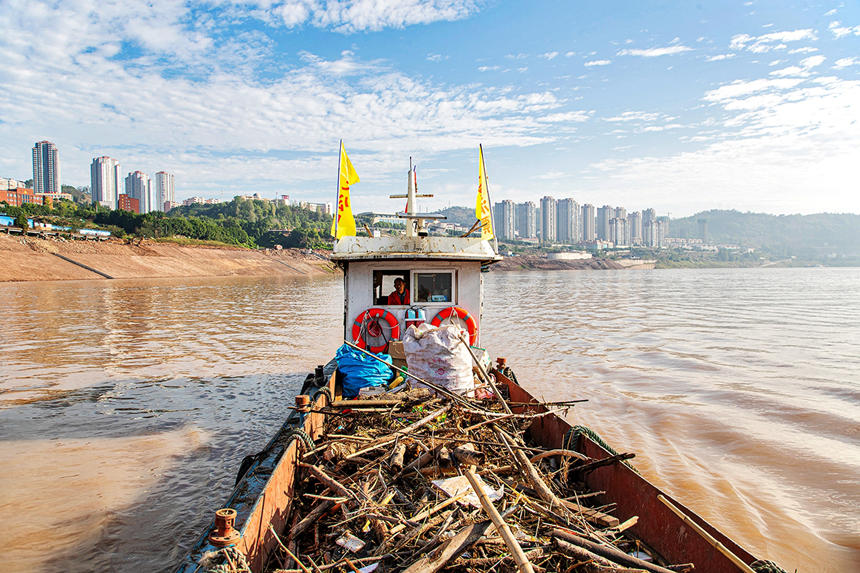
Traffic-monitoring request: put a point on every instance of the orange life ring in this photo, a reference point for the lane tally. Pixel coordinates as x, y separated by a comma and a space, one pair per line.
462, 314
371, 316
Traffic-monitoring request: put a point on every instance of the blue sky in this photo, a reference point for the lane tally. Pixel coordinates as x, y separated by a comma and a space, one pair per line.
677, 106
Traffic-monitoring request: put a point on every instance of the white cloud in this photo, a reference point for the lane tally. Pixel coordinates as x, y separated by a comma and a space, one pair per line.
796, 136
634, 116
549, 55
348, 16
436, 57
840, 31
221, 126
803, 50
846, 62
720, 57
812, 61
566, 117
655, 52
803, 69
569, 54
488, 68
771, 41
592, 63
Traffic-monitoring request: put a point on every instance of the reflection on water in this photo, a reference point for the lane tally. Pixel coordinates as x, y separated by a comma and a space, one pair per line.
126, 406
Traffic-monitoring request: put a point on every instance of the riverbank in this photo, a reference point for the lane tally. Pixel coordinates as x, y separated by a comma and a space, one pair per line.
52, 259
541, 263
34, 259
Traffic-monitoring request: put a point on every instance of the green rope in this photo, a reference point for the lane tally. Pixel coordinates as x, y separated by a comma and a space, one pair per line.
578, 430
764, 566
225, 560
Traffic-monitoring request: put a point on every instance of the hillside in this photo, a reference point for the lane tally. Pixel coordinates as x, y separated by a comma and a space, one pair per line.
803, 236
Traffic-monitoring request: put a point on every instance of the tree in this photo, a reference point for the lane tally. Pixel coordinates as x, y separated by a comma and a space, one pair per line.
21, 221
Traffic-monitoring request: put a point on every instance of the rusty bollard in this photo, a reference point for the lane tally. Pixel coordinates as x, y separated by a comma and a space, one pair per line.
303, 406
224, 534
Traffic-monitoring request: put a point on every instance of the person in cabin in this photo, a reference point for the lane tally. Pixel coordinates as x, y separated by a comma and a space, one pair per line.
400, 295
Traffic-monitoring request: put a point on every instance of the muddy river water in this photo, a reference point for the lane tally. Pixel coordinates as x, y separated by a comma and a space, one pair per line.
126, 406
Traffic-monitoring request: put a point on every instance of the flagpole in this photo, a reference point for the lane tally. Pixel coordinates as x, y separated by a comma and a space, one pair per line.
489, 201
337, 196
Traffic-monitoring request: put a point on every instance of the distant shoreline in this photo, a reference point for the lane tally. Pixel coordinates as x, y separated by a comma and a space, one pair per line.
34, 259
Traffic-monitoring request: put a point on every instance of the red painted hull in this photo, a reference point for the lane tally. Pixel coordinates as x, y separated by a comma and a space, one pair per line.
633, 495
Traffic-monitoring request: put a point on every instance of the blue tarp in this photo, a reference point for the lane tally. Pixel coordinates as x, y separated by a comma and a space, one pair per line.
360, 370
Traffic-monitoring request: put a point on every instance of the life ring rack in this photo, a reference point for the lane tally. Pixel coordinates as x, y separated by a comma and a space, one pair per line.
462, 314
372, 316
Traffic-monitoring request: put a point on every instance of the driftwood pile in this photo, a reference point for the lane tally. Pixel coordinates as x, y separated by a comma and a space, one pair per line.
411, 482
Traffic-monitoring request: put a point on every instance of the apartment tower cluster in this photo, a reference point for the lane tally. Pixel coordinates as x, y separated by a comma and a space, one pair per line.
564, 221
137, 192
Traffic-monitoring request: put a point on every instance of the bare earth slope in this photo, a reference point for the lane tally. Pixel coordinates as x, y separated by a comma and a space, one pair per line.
34, 259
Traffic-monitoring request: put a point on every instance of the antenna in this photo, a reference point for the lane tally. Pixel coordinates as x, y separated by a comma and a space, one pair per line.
415, 226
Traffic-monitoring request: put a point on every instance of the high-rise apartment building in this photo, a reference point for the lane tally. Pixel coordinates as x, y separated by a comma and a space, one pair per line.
634, 223
664, 225
138, 186
588, 231
46, 168
648, 216
105, 181
549, 224
568, 221
164, 193
503, 218
603, 215
654, 232
526, 214
703, 230
618, 233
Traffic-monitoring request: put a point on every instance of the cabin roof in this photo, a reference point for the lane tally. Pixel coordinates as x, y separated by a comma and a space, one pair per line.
403, 247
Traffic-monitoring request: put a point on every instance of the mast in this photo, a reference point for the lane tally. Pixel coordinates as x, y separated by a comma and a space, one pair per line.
415, 226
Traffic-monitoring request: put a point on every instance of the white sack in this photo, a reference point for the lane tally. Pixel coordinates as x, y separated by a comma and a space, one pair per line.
436, 354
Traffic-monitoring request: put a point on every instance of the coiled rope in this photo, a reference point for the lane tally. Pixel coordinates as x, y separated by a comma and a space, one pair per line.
225, 560
765, 566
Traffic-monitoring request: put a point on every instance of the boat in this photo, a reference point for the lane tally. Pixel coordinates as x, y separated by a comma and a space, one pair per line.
445, 275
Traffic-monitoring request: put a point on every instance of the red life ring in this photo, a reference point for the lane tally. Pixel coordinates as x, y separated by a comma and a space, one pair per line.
371, 317
462, 314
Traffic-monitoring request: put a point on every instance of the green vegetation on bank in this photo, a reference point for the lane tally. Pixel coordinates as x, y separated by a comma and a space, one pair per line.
741, 239
242, 222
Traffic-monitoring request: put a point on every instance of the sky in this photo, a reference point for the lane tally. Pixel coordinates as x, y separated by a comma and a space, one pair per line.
676, 106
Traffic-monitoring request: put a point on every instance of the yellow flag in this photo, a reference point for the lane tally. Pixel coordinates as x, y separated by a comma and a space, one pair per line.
343, 224
483, 212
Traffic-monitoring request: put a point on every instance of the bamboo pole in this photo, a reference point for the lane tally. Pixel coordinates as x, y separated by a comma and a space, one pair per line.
486, 376
523, 563
706, 536
610, 553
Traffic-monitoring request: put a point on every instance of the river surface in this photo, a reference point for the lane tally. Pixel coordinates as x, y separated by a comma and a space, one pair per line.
127, 406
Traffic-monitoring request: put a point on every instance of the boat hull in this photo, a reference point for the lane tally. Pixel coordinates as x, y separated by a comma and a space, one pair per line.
263, 497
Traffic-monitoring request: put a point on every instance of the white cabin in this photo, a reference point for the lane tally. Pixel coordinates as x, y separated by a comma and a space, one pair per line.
439, 272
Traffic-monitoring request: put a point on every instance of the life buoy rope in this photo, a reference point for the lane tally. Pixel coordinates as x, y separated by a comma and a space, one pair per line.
462, 314
367, 324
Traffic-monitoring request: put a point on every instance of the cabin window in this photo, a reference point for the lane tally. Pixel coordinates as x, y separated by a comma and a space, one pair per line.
434, 287
383, 287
